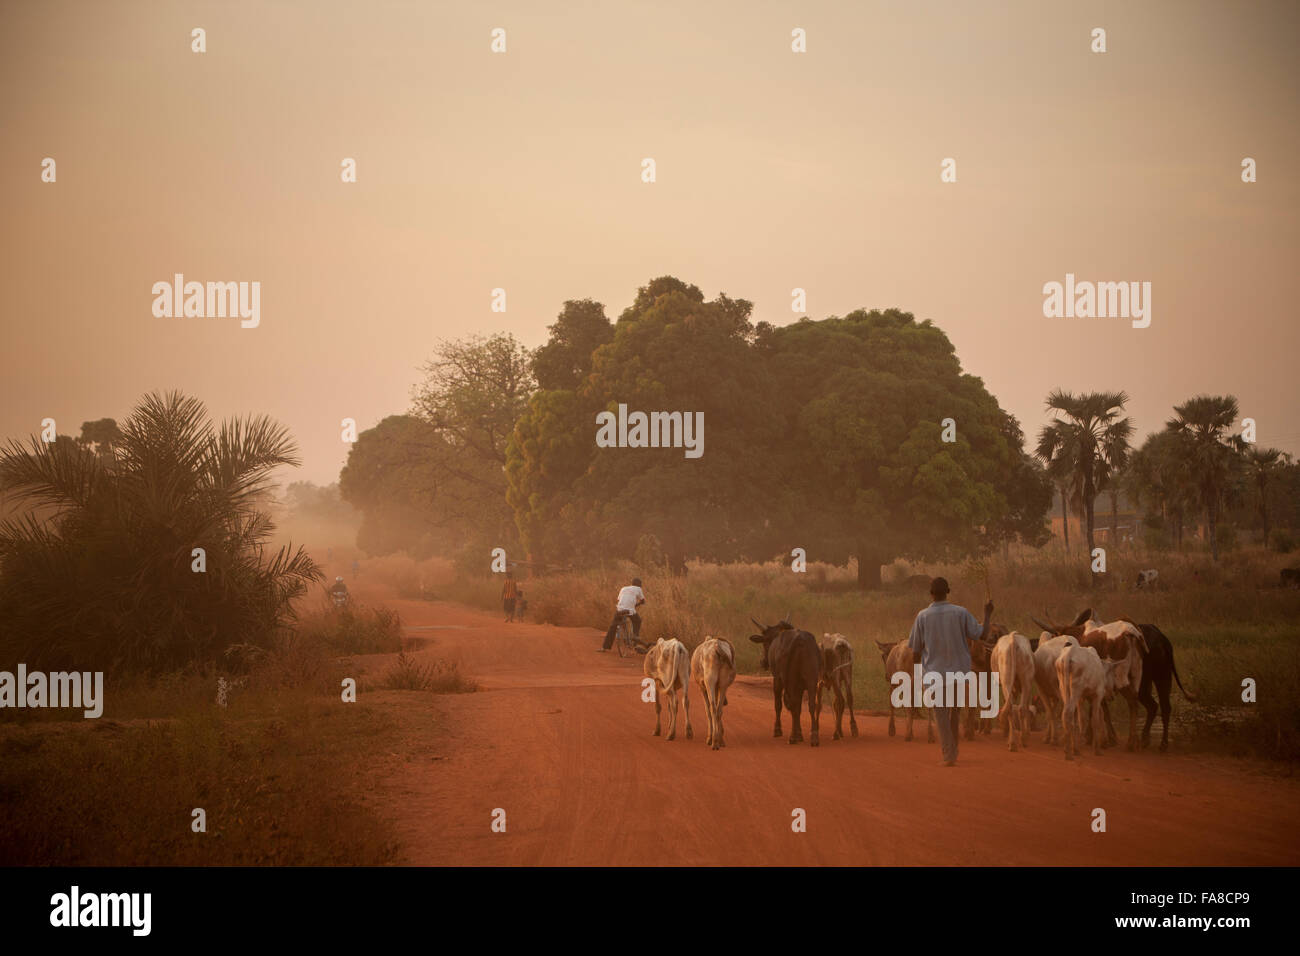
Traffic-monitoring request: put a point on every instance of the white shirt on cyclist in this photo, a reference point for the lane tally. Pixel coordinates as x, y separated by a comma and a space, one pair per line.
628, 598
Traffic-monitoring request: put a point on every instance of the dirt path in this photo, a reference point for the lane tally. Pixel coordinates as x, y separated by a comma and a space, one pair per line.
558, 737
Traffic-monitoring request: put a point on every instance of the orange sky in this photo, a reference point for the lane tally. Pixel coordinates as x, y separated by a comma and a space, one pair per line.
521, 170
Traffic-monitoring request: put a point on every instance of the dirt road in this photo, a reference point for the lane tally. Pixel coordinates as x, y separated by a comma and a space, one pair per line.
558, 738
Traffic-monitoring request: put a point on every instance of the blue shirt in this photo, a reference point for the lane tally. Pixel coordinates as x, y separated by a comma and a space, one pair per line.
939, 637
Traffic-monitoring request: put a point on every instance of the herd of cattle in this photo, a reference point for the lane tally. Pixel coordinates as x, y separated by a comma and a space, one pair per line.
1074, 668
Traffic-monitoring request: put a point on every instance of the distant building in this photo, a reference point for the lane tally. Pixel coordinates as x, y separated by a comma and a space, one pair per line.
1127, 521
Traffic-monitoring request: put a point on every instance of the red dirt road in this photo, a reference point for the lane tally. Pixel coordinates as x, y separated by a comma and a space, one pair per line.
558, 737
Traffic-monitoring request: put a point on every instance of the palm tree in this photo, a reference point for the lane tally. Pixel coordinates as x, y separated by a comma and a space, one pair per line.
1263, 463
1114, 461
101, 570
1078, 442
1060, 470
1211, 454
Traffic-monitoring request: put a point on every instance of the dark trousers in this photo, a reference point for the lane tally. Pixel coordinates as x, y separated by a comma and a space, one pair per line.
947, 720
613, 628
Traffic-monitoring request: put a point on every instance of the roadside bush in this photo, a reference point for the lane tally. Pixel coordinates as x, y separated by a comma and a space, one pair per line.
439, 677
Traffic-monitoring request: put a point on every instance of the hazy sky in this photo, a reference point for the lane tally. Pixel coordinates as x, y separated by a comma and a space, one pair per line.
522, 170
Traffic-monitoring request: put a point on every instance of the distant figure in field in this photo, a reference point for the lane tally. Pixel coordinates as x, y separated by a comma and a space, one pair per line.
356, 568
509, 594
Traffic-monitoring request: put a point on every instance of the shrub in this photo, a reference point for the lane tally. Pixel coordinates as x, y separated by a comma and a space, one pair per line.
353, 629
97, 573
439, 677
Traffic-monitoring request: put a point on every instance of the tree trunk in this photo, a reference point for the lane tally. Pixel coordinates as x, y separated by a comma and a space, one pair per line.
1065, 518
1263, 510
1088, 517
1114, 520
868, 570
1212, 514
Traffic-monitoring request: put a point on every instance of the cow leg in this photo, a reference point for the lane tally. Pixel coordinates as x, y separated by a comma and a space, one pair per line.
672, 713
815, 723
658, 709
708, 711
1131, 698
891, 718
710, 696
1164, 685
1149, 704
1025, 725
929, 726
1069, 720
719, 699
796, 720
848, 693
839, 714
776, 694
686, 699
911, 715
1111, 739
1096, 729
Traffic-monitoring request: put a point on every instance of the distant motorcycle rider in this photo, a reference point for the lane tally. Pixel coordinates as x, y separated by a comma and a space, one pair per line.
339, 591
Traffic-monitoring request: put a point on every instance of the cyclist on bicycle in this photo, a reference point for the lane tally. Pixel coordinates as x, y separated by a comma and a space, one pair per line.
629, 599
339, 592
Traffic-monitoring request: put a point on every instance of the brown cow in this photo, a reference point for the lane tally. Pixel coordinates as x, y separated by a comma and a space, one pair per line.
898, 658
837, 674
980, 654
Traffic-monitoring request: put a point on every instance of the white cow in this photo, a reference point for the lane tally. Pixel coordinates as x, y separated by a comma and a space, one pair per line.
1123, 643
713, 668
1084, 681
1147, 579
1013, 659
669, 664
1049, 649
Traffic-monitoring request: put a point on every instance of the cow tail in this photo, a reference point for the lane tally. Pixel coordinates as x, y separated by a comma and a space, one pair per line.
1174, 668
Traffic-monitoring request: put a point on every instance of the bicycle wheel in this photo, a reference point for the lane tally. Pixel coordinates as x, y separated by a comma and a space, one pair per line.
624, 639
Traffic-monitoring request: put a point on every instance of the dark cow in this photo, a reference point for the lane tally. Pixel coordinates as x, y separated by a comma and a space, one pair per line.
1157, 668
795, 661
980, 654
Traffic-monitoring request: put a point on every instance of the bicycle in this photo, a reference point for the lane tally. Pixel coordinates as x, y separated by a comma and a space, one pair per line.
625, 639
